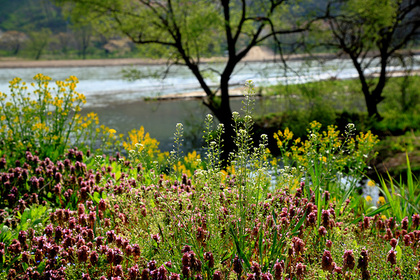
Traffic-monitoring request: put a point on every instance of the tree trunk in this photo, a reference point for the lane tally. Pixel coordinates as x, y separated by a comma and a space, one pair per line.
372, 107
370, 97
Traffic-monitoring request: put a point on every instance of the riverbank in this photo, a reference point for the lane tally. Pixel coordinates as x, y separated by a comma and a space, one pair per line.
257, 54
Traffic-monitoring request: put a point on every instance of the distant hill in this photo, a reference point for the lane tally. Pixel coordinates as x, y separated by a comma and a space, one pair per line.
24, 15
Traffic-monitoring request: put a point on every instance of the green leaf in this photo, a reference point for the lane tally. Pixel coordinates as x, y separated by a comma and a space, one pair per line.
41, 267
399, 252
238, 249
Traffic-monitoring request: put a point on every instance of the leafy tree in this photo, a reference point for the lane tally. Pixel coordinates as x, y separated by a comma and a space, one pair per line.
39, 41
13, 40
83, 35
187, 31
372, 33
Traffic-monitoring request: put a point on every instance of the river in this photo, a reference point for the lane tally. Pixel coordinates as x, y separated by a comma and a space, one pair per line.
120, 103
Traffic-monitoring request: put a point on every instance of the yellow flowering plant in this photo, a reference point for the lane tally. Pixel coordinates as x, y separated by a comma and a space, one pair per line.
47, 119
143, 149
327, 160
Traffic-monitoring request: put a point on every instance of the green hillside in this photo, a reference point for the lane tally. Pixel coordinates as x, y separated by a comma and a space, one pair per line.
24, 15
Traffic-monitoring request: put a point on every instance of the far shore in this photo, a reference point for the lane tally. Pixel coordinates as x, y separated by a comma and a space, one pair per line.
255, 56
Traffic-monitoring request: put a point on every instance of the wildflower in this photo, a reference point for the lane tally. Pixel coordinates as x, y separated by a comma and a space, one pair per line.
416, 220
208, 256
371, 183
362, 262
407, 240
322, 231
111, 237
365, 275
186, 271
92, 218
156, 237
162, 273
15, 247
300, 270
298, 245
145, 274
368, 198
381, 200
118, 257
38, 255
256, 269
94, 257
110, 255
200, 234
250, 276
329, 244
174, 276
217, 275
136, 250
348, 260
237, 266
278, 270
118, 271
327, 262
82, 254
366, 221
22, 236
325, 216
266, 276
392, 257
393, 242
391, 223
338, 270
404, 223
133, 272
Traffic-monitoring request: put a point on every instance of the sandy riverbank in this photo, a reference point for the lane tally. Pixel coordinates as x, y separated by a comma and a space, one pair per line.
256, 54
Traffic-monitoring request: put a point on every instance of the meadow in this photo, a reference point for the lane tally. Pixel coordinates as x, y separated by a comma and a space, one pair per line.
79, 201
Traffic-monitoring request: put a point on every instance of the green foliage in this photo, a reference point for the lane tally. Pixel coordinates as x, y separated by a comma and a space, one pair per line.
342, 100
403, 195
31, 217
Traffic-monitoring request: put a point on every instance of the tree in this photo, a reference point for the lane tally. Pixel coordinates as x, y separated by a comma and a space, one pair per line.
372, 33
39, 40
13, 40
83, 35
188, 30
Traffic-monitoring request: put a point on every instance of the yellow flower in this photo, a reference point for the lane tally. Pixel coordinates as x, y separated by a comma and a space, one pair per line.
383, 217
112, 131
368, 198
371, 183
381, 200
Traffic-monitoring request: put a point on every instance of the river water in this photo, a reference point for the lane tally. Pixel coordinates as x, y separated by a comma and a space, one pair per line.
120, 103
